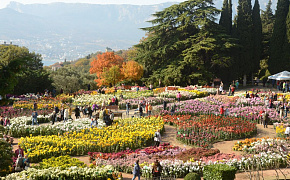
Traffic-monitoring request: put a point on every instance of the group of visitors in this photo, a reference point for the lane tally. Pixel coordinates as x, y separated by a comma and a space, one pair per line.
61, 115
156, 170
106, 115
283, 86
143, 105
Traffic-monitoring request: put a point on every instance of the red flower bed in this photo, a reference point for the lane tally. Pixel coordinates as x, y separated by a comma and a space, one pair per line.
122, 154
205, 130
196, 153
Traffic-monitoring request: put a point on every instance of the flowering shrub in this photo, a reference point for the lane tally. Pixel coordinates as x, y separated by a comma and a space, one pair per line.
127, 133
204, 130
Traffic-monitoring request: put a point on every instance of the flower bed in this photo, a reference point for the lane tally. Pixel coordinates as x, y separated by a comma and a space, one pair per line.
18, 128
56, 173
10, 112
257, 145
126, 153
204, 130
62, 162
136, 101
211, 105
127, 133
178, 168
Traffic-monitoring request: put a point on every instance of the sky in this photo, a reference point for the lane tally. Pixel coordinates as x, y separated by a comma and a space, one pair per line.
4, 3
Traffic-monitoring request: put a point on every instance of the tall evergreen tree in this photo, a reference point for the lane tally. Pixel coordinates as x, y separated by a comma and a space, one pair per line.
268, 19
230, 6
288, 25
245, 36
278, 60
257, 36
226, 16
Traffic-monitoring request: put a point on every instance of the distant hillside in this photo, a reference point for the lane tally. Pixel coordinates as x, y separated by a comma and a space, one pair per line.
71, 31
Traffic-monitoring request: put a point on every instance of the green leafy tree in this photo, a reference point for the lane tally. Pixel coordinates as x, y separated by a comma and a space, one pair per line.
279, 60
245, 36
14, 61
112, 75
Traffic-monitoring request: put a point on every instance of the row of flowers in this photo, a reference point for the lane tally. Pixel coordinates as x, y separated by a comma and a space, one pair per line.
257, 145
204, 130
56, 173
211, 105
19, 128
136, 101
128, 133
178, 168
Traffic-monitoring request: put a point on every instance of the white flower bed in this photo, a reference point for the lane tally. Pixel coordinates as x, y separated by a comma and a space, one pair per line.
179, 168
57, 173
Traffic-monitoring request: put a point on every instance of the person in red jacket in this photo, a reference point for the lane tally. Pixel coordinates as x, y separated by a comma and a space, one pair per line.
222, 111
19, 151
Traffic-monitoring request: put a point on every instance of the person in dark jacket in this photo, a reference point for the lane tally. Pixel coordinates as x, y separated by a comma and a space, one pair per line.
77, 112
136, 170
156, 170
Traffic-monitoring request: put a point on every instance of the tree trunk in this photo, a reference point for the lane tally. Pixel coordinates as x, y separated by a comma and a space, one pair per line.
245, 80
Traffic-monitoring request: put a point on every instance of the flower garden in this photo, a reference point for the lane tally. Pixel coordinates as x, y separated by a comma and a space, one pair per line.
113, 149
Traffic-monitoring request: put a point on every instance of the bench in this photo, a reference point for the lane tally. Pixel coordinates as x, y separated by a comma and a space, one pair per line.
112, 107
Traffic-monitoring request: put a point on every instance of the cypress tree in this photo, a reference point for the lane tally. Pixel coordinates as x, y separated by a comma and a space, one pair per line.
288, 25
257, 35
230, 15
245, 36
225, 19
268, 19
278, 61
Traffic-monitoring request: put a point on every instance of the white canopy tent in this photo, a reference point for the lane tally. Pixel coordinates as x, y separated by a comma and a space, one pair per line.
282, 76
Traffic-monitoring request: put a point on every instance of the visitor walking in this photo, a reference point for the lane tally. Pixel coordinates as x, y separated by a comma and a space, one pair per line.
53, 118
127, 108
156, 170
77, 112
157, 138
172, 111
149, 109
34, 118
65, 115
266, 120
136, 170
178, 96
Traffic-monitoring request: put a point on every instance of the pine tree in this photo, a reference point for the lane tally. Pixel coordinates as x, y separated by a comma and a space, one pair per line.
245, 36
278, 60
257, 36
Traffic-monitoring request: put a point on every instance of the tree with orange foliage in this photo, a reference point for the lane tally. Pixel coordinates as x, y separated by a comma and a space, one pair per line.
132, 71
103, 63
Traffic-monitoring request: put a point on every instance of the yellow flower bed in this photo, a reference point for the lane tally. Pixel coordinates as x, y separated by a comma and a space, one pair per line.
129, 133
198, 93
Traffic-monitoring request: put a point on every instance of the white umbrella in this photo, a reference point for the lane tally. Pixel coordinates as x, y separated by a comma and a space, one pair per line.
284, 75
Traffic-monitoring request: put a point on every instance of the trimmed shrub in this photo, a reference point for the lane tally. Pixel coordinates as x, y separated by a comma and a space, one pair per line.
192, 176
219, 172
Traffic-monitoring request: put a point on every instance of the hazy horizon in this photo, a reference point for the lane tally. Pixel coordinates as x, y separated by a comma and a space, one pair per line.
4, 3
